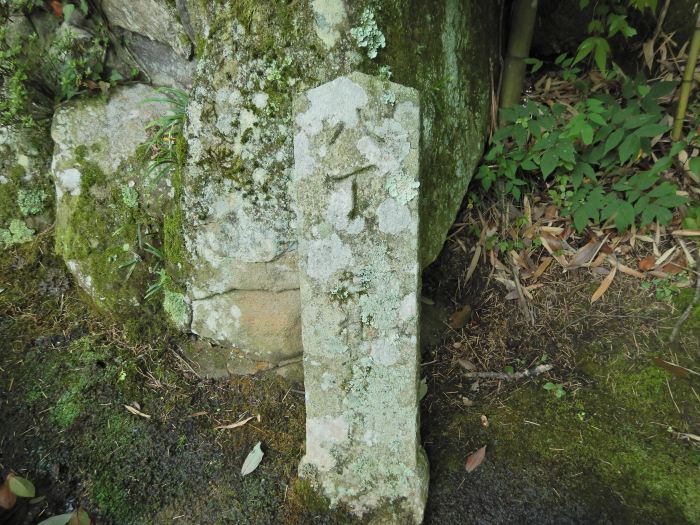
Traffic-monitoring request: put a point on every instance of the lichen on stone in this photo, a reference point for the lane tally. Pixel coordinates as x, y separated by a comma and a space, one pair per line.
388, 98
130, 196
402, 188
178, 308
31, 201
368, 34
17, 233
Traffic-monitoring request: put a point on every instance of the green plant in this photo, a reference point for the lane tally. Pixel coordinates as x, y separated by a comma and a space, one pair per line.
610, 18
667, 287
692, 218
597, 159
77, 61
557, 389
158, 285
165, 132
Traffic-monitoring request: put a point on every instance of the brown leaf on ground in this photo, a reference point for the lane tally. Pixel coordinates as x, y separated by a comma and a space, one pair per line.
604, 285
585, 255
554, 243
687, 233
7, 497
647, 263
236, 424
136, 412
676, 370
546, 261
80, 517
461, 317
57, 8
475, 459
676, 266
551, 212
629, 271
466, 364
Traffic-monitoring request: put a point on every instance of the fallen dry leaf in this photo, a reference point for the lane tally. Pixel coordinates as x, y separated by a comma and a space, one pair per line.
57, 8
546, 261
136, 412
647, 263
473, 263
604, 285
629, 271
235, 425
475, 459
676, 370
666, 256
687, 233
586, 254
466, 364
7, 497
461, 317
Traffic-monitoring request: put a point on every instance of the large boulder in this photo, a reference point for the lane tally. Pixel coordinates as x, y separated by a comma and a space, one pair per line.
109, 210
239, 216
156, 37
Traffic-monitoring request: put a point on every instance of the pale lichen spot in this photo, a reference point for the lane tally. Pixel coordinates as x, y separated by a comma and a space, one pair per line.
393, 217
324, 106
326, 256
385, 351
407, 310
329, 15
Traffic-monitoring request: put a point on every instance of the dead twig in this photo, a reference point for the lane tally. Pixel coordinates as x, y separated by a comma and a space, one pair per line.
514, 376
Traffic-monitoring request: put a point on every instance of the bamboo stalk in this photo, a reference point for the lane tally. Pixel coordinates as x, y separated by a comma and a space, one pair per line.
687, 82
522, 27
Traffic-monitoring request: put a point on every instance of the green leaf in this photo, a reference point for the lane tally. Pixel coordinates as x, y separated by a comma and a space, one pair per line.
252, 460
566, 152
613, 140
61, 519
22, 487
629, 148
68, 11
635, 121
587, 134
694, 166
595, 117
652, 130
584, 49
84, 6
602, 50
624, 215
549, 162
549, 386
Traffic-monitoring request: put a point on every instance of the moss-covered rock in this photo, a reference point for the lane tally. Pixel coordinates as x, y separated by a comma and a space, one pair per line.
110, 208
239, 214
26, 195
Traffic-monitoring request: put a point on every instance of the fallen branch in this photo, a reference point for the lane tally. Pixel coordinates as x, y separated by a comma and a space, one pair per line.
683, 318
505, 376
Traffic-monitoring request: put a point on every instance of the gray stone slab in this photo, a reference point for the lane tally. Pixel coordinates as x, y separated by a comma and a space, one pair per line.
356, 152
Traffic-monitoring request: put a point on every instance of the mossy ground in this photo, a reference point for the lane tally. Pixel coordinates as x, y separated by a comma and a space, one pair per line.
609, 451
66, 373
615, 448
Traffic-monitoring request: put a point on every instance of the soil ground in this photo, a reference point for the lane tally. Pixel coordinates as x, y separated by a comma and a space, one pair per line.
615, 447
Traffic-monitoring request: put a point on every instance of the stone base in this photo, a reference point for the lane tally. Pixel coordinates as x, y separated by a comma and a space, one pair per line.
215, 362
379, 509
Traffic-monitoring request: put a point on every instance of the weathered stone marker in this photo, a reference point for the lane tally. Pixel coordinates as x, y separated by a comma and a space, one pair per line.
356, 149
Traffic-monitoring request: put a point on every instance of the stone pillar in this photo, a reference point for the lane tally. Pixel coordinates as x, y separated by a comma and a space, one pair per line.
356, 153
